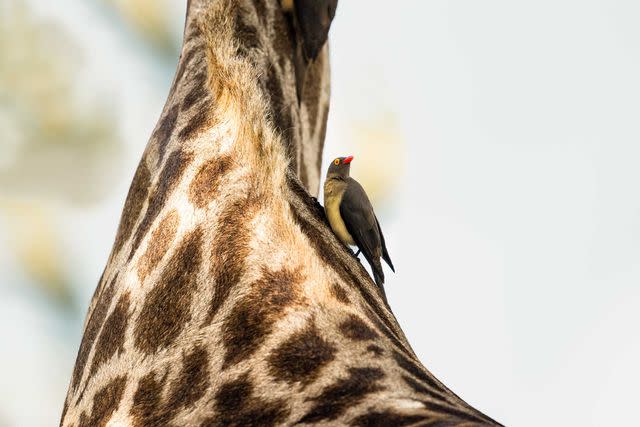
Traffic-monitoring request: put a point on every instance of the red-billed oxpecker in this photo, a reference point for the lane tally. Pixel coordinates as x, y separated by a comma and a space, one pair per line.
352, 218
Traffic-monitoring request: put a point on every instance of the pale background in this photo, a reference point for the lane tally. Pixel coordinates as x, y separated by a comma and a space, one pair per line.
499, 141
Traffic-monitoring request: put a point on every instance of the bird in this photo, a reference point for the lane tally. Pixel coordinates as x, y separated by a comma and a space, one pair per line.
352, 218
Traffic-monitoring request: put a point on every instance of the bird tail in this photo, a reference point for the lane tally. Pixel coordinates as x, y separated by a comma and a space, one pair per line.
387, 258
378, 274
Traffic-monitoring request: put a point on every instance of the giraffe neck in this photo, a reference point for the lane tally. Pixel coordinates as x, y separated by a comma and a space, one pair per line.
226, 299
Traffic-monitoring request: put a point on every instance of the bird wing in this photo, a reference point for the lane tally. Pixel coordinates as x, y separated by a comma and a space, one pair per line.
385, 253
357, 213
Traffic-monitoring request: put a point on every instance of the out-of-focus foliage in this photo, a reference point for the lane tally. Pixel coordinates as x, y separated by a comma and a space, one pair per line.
153, 20
53, 144
381, 162
31, 234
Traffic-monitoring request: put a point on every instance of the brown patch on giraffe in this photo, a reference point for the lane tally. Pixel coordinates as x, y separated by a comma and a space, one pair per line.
456, 416
198, 91
173, 169
146, 408
280, 114
282, 36
421, 389
194, 52
164, 130
385, 419
167, 307
230, 250
193, 379
304, 176
198, 122
206, 183
339, 293
356, 329
105, 403
418, 371
322, 135
313, 90
237, 405
385, 330
245, 34
112, 337
261, 9
64, 409
345, 393
301, 357
136, 197
161, 238
253, 316
150, 409
96, 319
376, 350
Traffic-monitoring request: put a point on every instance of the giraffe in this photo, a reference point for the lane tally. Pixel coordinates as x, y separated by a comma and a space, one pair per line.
226, 299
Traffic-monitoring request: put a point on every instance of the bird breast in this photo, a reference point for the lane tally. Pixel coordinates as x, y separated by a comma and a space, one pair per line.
333, 197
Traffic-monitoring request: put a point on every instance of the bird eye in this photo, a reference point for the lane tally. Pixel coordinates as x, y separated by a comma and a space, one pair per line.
336, 162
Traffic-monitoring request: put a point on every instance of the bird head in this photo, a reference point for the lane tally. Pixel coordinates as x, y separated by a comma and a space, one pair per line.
339, 167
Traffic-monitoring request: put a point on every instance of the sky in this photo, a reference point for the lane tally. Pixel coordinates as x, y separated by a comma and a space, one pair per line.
499, 142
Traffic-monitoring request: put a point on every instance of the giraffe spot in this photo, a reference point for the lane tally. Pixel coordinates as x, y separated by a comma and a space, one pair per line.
457, 416
195, 94
163, 131
136, 197
418, 371
261, 9
146, 408
322, 134
230, 250
236, 405
185, 60
281, 35
253, 316
301, 357
173, 169
419, 388
96, 319
313, 89
345, 393
376, 350
64, 409
112, 337
193, 379
385, 418
280, 114
386, 331
356, 329
150, 409
302, 170
167, 307
206, 183
246, 34
198, 122
339, 293
105, 403
158, 246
